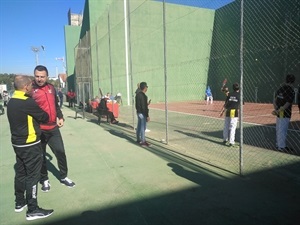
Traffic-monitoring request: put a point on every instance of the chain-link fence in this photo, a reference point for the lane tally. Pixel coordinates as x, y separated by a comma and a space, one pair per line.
83, 71
180, 50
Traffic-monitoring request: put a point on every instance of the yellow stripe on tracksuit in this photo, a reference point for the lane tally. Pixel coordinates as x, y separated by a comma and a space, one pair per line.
31, 132
232, 113
281, 114
19, 95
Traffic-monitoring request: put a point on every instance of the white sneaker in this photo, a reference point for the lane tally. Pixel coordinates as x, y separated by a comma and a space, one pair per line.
46, 186
68, 182
147, 130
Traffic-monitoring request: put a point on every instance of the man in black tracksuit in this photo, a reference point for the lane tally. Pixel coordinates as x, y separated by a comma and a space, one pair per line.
24, 116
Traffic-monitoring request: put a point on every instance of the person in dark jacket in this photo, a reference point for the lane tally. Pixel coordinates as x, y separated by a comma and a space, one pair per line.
283, 102
142, 110
60, 95
231, 109
103, 110
46, 97
24, 116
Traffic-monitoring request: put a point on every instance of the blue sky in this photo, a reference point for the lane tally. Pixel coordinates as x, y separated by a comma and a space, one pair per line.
26, 23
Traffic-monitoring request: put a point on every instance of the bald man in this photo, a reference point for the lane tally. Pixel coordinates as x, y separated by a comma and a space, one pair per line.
24, 116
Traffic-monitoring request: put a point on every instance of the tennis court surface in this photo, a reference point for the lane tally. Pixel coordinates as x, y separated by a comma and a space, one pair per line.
119, 182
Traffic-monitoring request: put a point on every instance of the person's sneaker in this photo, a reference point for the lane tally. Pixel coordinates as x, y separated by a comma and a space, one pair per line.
115, 122
68, 182
46, 186
286, 149
38, 213
232, 145
20, 207
147, 130
144, 144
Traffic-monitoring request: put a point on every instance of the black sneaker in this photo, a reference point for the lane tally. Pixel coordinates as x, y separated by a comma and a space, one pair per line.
38, 213
46, 186
68, 182
232, 145
20, 207
286, 150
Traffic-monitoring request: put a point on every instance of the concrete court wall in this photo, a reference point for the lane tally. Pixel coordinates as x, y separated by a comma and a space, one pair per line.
194, 41
188, 40
271, 46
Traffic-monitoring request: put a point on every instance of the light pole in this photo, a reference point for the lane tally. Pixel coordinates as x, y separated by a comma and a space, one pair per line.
43, 52
36, 52
61, 83
63, 62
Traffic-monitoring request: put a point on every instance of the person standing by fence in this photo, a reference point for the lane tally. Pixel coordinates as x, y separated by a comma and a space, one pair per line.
283, 102
142, 110
231, 107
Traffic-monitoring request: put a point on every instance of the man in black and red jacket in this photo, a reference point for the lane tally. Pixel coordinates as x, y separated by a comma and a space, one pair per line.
46, 97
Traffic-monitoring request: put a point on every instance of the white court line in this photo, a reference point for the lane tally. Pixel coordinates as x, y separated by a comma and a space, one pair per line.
210, 117
258, 116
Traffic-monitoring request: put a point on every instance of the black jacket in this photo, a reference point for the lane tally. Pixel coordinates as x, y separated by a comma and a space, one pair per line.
24, 116
232, 104
102, 105
283, 95
141, 103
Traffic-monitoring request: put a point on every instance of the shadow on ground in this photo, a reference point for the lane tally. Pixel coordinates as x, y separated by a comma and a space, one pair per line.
258, 136
262, 198
51, 167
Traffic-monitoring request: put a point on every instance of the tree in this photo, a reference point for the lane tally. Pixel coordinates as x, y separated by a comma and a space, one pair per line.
7, 79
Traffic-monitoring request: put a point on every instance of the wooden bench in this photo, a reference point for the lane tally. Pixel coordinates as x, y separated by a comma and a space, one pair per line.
101, 115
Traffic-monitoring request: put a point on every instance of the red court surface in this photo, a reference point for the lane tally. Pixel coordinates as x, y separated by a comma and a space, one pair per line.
257, 113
